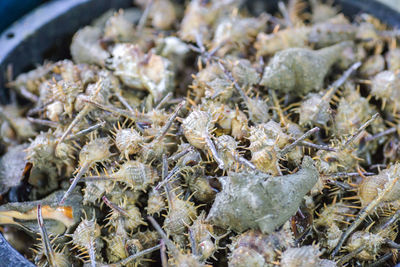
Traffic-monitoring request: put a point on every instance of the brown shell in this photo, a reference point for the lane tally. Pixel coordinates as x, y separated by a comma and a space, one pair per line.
96, 150
202, 190
368, 189
226, 146
86, 233
93, 191
266, 160
155, 203
136, 175
259, 248
200, 232
128, 141
133, 219
370, 186
304, 256
181, 214
116, 248
372, 243
196, 126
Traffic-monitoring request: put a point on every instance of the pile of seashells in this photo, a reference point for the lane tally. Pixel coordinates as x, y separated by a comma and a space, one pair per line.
202, 135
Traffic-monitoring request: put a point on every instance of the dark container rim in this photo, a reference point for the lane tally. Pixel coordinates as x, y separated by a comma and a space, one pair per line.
49, 28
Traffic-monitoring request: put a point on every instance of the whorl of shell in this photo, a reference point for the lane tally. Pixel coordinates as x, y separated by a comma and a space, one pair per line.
155, 203
372, 185
116, 243
371, 242
253, 246
332, 220
352, 111
41, 150
392, 58
162, 13
94, 190
119, 29
304, 256
133, 218
200, 15
229, 121
86, 233
128, 141
136, 175
227, 149
97, 150
314, 110
200, 235
197, 125
181, 214
265, 142
385, 86
236, 32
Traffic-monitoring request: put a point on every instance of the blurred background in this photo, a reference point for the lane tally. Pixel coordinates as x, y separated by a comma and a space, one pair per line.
11, 10
395, 4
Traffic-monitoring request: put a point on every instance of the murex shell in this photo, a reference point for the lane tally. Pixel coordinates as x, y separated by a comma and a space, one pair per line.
257, 200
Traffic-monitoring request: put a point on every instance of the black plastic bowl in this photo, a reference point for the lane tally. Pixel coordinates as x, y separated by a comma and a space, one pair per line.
45, 33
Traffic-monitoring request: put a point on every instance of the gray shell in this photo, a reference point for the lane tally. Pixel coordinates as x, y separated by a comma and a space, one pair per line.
12, 166
300, 70
254, 200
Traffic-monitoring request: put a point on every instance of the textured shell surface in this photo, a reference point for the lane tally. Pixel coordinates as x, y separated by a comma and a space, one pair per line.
258, 247
128, 141
136, 174
371, 186
96, 150
86, 233
265, 202
304, 256
196, 126
12, 165
292, 70
180, 215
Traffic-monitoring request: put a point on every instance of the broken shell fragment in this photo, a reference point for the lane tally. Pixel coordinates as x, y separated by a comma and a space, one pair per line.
57, 218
